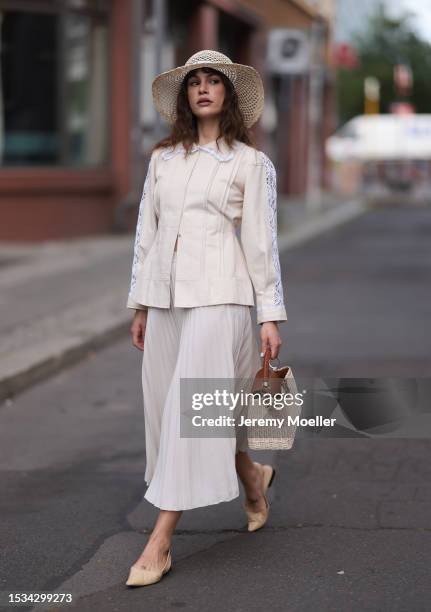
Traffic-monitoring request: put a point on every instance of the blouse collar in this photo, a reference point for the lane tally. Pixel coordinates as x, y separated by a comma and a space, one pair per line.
223, 153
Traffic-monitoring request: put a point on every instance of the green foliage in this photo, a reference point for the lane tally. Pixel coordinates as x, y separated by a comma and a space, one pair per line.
386, 43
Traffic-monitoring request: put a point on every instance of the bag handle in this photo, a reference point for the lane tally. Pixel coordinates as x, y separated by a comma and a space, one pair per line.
268, 374
267, 365
266, 360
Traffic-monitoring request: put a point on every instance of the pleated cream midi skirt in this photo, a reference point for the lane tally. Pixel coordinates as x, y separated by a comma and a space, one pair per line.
199, 342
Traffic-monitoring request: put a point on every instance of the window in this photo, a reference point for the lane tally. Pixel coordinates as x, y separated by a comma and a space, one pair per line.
53, 86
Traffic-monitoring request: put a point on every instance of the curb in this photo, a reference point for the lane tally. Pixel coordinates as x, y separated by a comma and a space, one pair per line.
320, 224
50, 364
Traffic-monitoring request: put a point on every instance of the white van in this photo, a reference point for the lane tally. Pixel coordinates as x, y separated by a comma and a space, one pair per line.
394, 149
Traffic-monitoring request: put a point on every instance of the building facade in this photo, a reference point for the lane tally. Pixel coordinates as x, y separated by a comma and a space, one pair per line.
76, 114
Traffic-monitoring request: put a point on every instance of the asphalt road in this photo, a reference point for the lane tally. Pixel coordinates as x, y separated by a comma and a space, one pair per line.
350, 518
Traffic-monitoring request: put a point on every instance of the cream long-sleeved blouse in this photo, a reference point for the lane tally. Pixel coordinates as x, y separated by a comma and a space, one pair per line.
203, 201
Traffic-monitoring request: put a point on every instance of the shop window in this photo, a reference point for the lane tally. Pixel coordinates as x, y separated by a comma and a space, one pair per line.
53, 87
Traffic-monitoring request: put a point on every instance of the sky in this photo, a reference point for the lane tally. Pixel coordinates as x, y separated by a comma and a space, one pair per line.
422, 8
351, 14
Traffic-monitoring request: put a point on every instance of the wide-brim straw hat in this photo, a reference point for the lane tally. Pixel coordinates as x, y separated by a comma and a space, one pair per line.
245, 79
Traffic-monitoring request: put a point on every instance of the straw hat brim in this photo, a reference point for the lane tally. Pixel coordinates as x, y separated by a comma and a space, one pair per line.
245, 79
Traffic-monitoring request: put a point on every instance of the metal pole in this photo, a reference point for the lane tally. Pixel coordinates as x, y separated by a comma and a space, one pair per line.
160, 35
314, 114
131, 200
284, 109
136, 75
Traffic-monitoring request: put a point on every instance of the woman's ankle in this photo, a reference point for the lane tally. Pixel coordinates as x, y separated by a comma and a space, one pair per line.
160, 541
253, 484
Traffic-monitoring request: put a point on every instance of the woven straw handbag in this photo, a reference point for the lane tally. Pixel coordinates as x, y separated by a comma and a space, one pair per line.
268, 434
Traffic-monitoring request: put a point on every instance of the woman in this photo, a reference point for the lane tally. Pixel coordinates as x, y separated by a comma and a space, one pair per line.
192, 288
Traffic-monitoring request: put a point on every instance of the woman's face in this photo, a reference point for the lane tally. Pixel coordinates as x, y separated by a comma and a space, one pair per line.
205, 91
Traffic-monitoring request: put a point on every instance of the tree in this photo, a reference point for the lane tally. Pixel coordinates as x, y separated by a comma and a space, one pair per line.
386, 42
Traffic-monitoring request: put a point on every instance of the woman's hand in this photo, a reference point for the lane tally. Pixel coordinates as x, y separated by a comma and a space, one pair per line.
270, 337
138, 328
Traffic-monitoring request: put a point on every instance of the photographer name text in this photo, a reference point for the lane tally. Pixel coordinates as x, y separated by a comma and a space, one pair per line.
229, 421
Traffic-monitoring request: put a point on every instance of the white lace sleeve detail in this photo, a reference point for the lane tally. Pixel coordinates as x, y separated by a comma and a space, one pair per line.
271, 185
137, 250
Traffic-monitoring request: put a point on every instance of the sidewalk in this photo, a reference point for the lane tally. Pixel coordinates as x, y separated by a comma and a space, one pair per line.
62, 300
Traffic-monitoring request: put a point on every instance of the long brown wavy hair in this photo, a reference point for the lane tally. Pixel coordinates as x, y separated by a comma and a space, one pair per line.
185, 130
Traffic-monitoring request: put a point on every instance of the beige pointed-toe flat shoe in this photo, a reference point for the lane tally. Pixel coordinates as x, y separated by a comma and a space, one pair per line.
139, 576
256, 520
